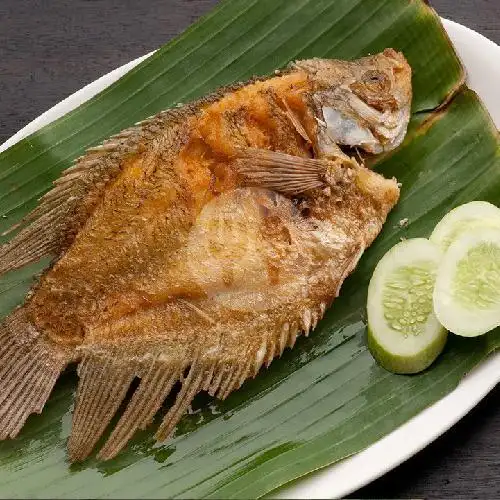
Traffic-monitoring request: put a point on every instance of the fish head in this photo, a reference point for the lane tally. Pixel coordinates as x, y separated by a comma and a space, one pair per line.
364, 103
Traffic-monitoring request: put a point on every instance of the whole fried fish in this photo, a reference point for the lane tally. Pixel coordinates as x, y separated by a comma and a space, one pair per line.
196, 245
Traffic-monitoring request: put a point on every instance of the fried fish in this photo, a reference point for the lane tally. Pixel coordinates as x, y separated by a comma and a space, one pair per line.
195, 246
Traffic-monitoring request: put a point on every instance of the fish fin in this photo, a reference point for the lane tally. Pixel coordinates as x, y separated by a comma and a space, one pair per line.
231, 378
144, 404
103, 386
270, 352
51, 227
236, 378
306, 321
287, 174
191, 386
284, 337
293, 334
62, 211
30, 365
295, 121
218, 378
224, 388
104, 383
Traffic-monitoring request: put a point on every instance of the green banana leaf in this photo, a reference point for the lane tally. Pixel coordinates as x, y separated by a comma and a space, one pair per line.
325, 399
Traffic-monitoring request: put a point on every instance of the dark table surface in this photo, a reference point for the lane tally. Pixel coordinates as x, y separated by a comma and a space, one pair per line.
51, 48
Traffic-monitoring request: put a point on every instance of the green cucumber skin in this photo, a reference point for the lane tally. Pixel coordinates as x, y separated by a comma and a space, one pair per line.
402, 365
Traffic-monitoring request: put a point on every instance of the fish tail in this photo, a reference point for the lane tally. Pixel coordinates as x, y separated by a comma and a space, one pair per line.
29, 368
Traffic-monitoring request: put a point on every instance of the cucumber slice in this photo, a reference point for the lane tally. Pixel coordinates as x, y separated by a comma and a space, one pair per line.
404, 335
467, 292
462, 219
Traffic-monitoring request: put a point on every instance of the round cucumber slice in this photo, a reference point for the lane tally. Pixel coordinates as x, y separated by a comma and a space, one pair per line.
404, 335
462, 219
467, 292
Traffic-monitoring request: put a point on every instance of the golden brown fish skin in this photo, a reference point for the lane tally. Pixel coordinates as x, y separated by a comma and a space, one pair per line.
237, 328
125, 237
175, 265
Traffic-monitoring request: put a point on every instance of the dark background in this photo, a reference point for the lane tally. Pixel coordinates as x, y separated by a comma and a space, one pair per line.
51, 48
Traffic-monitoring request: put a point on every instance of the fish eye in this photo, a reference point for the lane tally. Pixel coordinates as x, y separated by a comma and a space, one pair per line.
376, 80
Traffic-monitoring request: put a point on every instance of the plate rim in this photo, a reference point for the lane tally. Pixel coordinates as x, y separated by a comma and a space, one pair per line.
341, 478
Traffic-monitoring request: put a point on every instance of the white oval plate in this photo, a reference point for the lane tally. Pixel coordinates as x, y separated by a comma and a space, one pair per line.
482, 61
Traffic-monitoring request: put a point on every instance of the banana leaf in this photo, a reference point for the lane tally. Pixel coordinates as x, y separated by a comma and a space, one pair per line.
325, 399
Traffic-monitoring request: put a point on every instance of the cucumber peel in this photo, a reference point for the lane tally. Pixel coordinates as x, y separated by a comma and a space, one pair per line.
404, 335
467, 292
464, 218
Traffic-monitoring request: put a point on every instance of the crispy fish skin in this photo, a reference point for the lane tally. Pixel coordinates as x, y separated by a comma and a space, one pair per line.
198, 244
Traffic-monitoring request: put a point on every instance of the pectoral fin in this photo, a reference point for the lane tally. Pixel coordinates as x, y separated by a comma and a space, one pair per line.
290, 175
295, 121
